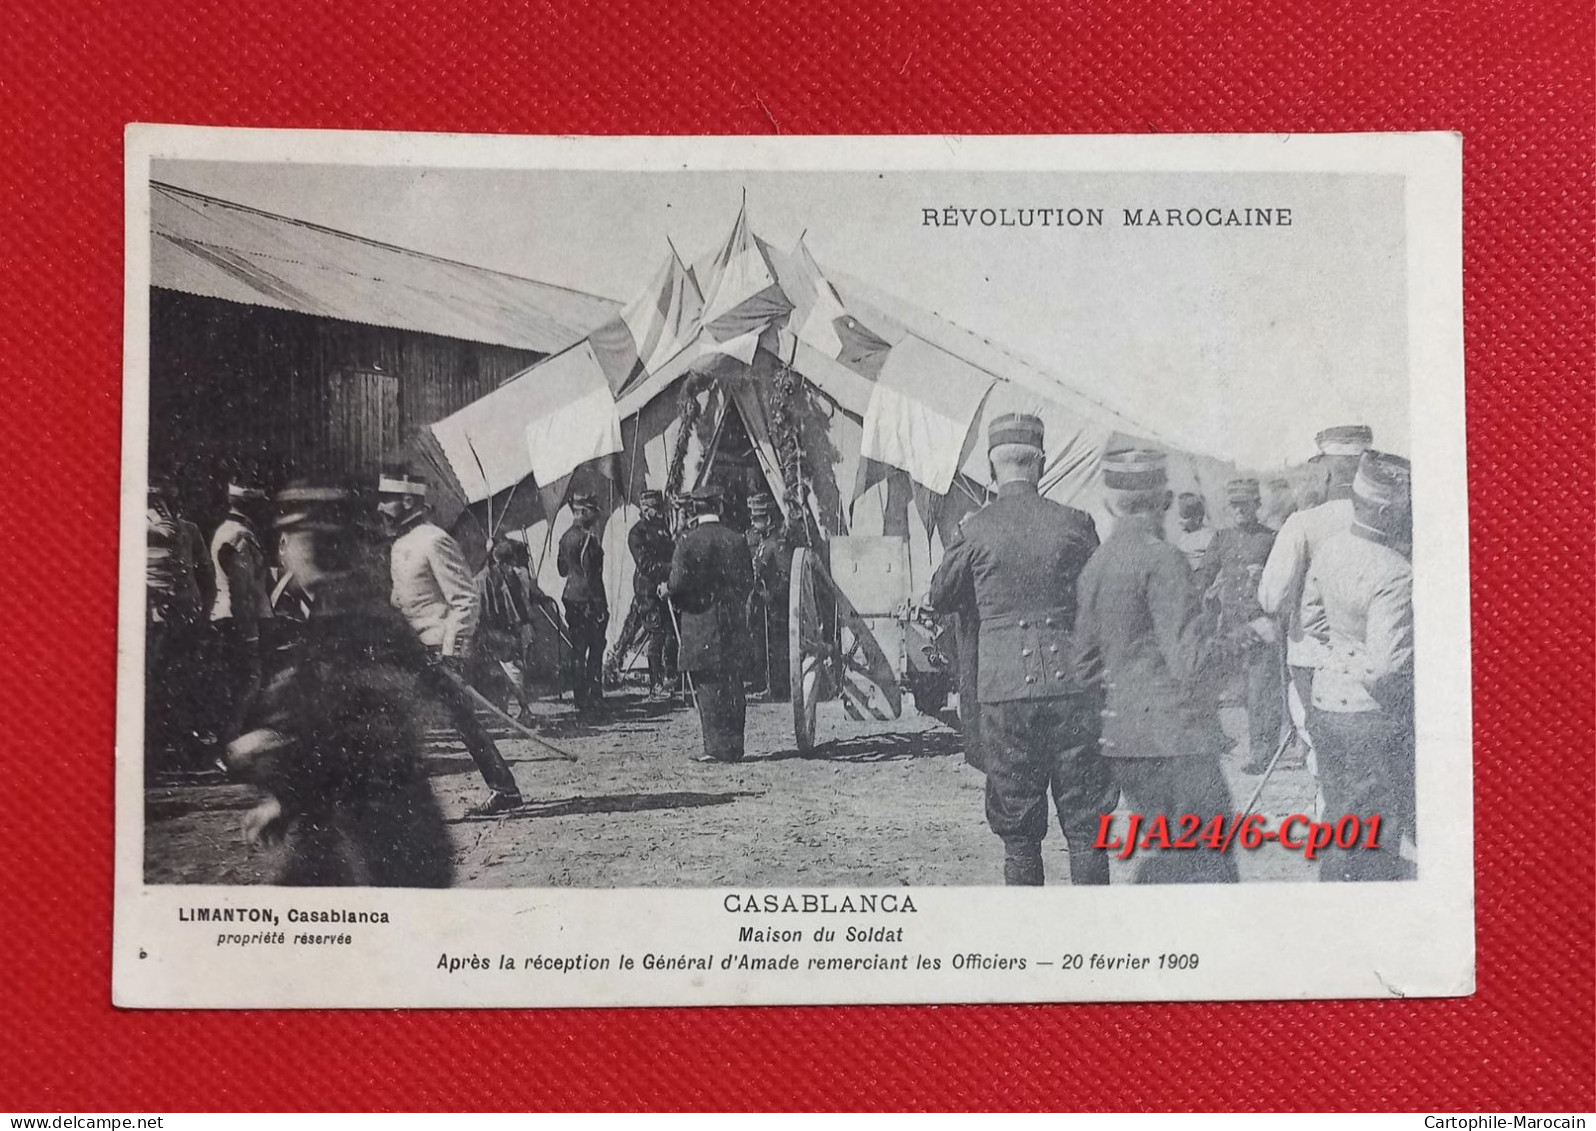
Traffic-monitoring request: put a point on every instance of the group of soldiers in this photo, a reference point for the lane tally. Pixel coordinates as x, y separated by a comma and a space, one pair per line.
653, 617
1100, 667
311, 660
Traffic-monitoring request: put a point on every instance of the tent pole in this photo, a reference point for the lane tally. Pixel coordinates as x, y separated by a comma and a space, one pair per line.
482, 471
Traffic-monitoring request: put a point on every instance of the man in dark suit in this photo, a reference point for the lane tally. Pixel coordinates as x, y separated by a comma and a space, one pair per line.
1016, 569
587, 611
712, 574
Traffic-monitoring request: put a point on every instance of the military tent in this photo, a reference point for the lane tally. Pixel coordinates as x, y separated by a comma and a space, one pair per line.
754, 368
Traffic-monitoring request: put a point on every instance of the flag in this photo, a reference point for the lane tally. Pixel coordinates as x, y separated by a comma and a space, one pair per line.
921, 411
651, 329
821, 321
740, 290
541, 424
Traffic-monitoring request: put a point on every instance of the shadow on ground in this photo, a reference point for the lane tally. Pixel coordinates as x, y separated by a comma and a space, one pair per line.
611, 803
879, 748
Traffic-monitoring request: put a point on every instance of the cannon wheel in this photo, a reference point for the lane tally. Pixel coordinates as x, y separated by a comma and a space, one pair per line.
808, 647
831, 653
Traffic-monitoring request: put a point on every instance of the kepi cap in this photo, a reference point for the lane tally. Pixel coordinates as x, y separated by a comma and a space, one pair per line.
1134, 469
1243, 490
1383, 479
314, 507
1191, 503
584, 503
1345, 440
402, 485
652, 498
238, 490
1015, 428
708, 493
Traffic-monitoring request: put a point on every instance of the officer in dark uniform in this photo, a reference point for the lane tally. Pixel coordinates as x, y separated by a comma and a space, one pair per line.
587, 612
1143, 638
652, 548
711, 577
331, 738
1230, 571
1017, 566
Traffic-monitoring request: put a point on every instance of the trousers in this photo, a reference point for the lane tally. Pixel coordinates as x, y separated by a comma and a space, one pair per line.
587, 621
659, 639
1172, 788
478, 742
722, 712
1266, 700
1041, 748
1366, 768
236, 659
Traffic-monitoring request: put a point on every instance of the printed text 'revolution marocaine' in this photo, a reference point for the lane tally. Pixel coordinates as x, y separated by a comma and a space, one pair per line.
957, 216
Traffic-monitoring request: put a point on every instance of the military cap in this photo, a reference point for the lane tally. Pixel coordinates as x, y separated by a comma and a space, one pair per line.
583, 502
1243, 490
314, 507
760, 503
1191, 503
1382, 479
1345, 440
1015, 428
399, 484
1134, 469
652, 498
708, 493
240, 490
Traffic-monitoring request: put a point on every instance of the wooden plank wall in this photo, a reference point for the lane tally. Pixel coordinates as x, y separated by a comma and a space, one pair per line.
293, 394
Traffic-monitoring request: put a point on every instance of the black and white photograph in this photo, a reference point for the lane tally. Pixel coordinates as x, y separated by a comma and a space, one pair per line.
732, 541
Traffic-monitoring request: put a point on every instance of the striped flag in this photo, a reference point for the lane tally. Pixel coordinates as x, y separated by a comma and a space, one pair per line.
921, 412
544, 424
741, 294
654, 327
820, 320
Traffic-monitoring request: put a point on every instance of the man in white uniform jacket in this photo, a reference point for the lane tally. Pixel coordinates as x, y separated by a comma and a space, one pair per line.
1281, 584
435, 590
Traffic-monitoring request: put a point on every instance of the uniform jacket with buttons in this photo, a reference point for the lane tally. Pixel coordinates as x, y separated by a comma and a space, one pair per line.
1143, 640
1358, 602
711, 577
1016, 569
581, 563
434, 588
1280, 587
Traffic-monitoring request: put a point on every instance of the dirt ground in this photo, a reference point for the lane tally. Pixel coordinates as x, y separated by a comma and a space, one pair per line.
878, 805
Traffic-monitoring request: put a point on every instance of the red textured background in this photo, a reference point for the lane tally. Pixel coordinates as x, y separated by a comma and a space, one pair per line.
1516, 79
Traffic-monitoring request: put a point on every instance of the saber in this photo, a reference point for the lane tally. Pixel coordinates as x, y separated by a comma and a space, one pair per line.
687, 676
1288, 727
1280, 748
486, 704
548, 616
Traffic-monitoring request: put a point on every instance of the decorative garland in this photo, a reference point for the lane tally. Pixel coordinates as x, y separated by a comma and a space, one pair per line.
688, 411
784, 428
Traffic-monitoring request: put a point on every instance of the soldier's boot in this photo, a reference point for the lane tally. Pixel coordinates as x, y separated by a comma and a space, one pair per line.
1022, 863
1088, 866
